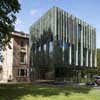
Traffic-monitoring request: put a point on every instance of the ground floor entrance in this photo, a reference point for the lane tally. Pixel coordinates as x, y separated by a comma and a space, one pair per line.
71, 74
67, 74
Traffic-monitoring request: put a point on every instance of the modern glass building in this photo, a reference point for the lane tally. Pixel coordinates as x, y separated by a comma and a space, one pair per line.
60, 35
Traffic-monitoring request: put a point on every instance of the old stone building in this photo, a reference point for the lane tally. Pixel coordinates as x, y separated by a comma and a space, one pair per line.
15, 66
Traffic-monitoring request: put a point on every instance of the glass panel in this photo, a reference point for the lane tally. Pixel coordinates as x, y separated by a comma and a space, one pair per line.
45, 47
79, 31
51, 48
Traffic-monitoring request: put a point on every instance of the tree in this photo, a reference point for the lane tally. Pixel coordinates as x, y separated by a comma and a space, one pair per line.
8, 10
98, 60
98, 57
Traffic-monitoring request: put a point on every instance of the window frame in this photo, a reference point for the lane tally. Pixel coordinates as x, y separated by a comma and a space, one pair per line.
24, 58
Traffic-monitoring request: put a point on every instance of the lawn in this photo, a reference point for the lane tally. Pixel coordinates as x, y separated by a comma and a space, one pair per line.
37, 92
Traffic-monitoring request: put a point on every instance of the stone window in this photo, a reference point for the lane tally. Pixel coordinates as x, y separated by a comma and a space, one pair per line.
22, 43
22, 72
22, 57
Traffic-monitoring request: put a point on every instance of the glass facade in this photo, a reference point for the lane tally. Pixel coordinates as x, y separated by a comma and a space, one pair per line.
76, 38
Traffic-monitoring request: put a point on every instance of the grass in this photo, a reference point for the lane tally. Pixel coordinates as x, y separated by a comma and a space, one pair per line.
37, 92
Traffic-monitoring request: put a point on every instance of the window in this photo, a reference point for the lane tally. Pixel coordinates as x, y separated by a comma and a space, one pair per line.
22, 57
22, 72
22, 44
84, 56
51, 49
39, 48
79, 31
73, 54
79, 44
66, 53
45, 47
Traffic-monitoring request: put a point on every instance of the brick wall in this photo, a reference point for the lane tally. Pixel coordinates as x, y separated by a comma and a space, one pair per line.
17, 64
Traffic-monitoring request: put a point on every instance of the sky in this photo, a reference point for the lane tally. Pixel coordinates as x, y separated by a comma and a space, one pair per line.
32, 10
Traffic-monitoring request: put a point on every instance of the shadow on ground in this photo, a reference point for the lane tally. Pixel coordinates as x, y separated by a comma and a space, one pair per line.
16, 91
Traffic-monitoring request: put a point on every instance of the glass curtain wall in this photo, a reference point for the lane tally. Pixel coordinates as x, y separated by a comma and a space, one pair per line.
75, 38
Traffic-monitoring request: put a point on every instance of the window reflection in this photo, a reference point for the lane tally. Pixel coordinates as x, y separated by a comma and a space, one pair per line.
51, 48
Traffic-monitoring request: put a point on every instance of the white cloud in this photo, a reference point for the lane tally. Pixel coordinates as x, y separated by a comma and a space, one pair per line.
33, 12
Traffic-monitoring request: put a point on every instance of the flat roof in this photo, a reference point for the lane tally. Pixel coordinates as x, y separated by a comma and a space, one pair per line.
20, 34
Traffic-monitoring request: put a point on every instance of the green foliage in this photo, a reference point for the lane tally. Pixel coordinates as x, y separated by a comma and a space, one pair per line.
92, 71
8, 10
98, 57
